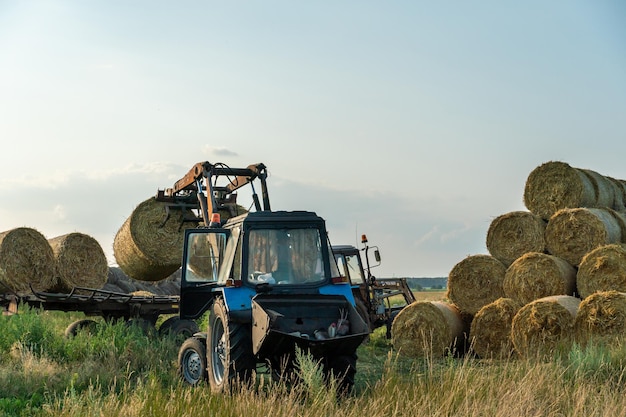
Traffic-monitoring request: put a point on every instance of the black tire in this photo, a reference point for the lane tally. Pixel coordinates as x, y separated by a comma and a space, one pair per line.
180, 329
390, 323
343, 369
80, 325
229, 350
192, 366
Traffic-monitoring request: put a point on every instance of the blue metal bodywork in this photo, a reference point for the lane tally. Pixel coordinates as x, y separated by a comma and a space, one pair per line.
240, 299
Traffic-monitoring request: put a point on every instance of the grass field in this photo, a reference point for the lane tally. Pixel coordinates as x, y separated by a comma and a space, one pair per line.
120, 371
432, 295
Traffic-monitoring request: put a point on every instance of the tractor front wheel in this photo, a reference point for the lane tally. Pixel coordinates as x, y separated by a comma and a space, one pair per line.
343, 369
192, 365
229, 350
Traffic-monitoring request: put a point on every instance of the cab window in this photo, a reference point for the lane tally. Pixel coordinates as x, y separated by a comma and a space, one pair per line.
205, 255
353, 265
284, 256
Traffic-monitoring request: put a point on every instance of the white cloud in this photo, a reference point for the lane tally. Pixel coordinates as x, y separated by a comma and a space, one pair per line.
219, 151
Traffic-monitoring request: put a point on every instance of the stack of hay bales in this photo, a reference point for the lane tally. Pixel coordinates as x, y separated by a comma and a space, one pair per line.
29, 261
570, 245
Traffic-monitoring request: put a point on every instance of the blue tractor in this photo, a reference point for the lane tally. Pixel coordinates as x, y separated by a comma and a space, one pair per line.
268, 280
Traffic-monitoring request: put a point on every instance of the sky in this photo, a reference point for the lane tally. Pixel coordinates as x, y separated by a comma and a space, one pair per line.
414, 122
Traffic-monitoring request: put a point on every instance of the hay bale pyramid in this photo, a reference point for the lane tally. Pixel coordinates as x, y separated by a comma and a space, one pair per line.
553, 275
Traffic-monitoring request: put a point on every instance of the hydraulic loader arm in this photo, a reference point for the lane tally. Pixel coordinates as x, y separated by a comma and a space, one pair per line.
201, 180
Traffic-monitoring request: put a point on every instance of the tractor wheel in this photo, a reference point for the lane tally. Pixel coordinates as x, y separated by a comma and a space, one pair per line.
178, 328
192, 365
80, 325
229, 350
343, 369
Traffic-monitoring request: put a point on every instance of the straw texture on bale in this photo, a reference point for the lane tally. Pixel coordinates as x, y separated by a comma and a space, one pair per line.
26, 259
602, 269
145, 247
556, 185
80, 261
490, 331
475, 282
542, 326
572, 233
513, 234
537, 275
601, 318
428, 328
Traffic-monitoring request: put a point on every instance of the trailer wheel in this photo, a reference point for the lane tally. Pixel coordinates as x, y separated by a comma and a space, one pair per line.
80, 325
343, 369
180, 329
229, 350
146, 326
192, 366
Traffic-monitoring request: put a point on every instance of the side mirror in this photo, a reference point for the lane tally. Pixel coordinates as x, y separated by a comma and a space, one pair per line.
377, 255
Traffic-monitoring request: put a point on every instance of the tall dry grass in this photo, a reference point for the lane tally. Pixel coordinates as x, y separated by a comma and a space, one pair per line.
122, 372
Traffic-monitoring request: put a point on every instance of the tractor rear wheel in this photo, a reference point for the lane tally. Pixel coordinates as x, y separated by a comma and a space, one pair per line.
229, 350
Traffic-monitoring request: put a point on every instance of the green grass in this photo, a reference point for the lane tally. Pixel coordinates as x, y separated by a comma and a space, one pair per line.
121, 371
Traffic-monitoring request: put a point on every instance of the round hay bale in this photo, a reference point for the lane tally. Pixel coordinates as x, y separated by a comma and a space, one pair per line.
148, 247
602, 269
621, 185
620, 217
619, 202
475, 282
537, 275
490, 331
556, 185
119, 279
428, 328
80, 261
26, 259
603, 187
601, 319
513, 234
572, 233
544, 325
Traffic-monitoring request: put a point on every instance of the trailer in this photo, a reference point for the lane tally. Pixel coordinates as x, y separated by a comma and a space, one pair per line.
141, 309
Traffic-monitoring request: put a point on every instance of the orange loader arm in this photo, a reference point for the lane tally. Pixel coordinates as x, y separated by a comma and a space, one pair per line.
201, 181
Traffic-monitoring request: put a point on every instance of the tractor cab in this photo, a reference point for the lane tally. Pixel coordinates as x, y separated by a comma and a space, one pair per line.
257, 252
